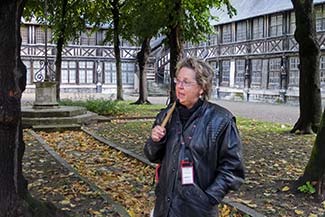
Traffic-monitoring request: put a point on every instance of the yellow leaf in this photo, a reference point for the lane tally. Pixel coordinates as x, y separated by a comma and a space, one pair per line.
312, 215
299, 212
65, 202
131, 213
285, 188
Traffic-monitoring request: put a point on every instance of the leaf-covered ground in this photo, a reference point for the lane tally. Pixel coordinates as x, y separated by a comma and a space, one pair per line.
274, 159
126, 180
50, 181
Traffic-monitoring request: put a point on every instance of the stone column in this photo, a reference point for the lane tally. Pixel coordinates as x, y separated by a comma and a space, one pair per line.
217, 81
45, 95
99, 78
283, 84
283, 79
247, 80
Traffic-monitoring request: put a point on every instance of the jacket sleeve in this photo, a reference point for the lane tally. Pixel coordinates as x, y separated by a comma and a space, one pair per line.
230, 167
155, 151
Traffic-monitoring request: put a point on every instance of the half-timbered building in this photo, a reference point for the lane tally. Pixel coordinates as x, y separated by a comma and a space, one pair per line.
254, 54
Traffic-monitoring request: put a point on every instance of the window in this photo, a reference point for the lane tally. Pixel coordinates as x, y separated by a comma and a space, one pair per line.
292, 23
320, 18
276, 25
241, 30
213, 39
24, 34
125, 43
68, 71
110, 73
40, 35
240, 72
256, 73
226, 33
88, 38
293, 72
86, 70
274, 73
128, 73
258, 28
225, 73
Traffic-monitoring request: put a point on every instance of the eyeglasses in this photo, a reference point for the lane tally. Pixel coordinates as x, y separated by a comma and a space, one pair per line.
183, 83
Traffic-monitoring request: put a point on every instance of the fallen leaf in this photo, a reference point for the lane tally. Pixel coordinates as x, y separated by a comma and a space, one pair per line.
299, 212
285, 188
65, 202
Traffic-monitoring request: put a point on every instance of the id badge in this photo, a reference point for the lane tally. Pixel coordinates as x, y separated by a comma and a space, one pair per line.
187, 172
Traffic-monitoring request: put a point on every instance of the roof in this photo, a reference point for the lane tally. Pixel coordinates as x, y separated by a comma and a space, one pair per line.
252, 8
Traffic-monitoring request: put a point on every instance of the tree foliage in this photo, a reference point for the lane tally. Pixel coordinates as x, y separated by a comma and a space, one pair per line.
110, 14
143, 23
66, 19
179, 21
188, 20
75, 16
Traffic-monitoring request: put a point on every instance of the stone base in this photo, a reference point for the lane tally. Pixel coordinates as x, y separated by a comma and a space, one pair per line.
45, 95
63, 116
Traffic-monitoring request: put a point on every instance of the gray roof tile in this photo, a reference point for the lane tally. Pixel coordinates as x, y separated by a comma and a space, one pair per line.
252, 8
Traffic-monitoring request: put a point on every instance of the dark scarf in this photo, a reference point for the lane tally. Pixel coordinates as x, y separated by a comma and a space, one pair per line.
185, 113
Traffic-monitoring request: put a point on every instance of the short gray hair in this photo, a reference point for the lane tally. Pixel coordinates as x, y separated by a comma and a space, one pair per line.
203, 73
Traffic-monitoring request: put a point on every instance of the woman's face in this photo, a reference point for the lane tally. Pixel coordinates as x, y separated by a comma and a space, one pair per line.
188, 90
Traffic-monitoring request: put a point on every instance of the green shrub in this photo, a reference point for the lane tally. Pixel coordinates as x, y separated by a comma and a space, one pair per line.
99, 106
115, 108
307, 188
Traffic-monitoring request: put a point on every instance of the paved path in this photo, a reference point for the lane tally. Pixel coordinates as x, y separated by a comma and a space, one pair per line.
280, 113
261, 111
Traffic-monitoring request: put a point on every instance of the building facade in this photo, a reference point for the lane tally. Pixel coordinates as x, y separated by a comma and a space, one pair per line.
254, 54
87, 64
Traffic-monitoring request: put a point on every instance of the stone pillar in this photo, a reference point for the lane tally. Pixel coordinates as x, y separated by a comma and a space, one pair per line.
45, 95
217, 81
283, 79
247, 80
232, 73
283, 84
99, 78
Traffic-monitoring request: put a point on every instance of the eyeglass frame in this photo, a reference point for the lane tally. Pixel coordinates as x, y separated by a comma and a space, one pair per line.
184, 83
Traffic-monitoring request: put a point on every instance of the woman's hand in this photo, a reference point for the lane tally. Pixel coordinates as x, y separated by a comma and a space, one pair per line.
157, 133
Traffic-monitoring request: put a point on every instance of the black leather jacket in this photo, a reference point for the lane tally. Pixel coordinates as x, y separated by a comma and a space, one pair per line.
216, 152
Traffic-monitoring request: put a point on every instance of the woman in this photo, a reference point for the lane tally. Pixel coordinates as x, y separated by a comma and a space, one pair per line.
199, 150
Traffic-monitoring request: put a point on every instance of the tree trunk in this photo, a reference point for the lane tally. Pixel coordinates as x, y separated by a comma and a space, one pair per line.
58, 66
116, 20
309, 81
59, 48
176, 48
315, 169
11, 144
15, 200
142, 58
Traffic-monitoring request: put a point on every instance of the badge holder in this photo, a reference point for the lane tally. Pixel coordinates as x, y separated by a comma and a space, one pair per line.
187, 172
